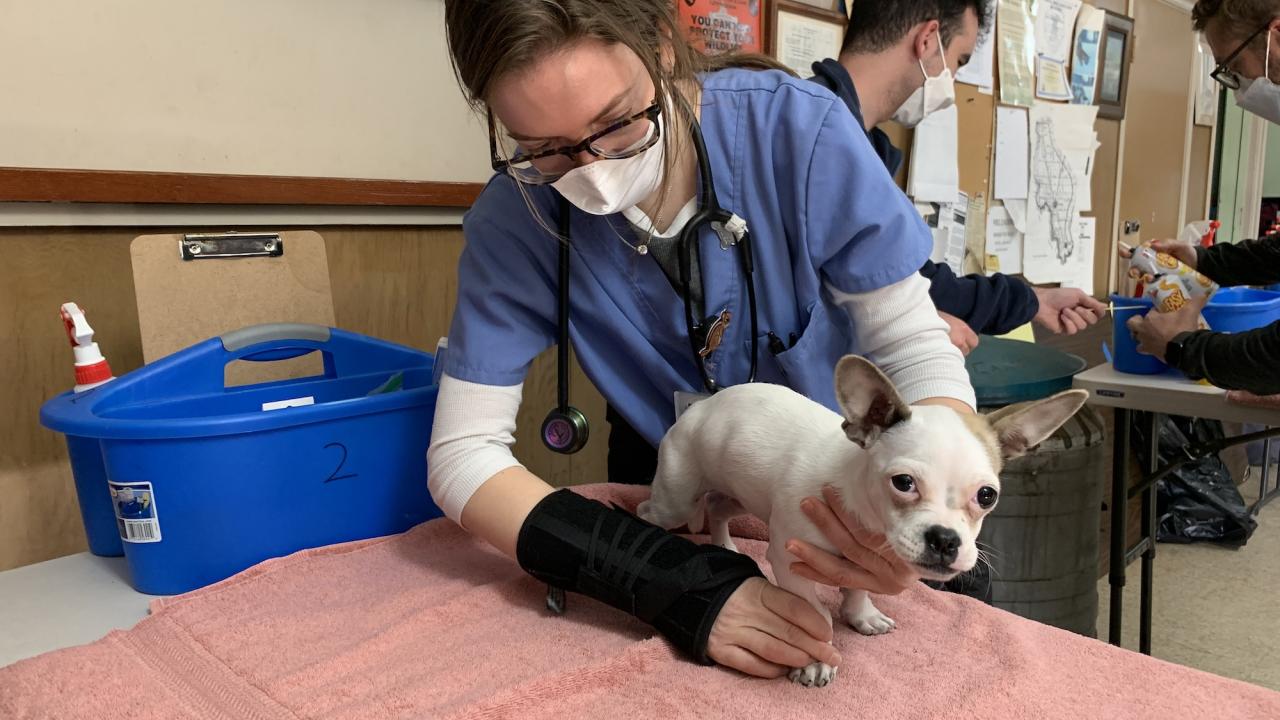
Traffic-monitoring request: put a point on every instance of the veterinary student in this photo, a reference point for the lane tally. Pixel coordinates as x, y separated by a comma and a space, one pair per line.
599, 115
896, 62
1244, 36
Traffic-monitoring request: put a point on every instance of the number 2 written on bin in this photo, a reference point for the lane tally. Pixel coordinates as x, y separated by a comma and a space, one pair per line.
337, 472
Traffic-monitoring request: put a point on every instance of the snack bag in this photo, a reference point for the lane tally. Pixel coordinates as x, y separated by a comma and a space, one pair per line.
1154, 268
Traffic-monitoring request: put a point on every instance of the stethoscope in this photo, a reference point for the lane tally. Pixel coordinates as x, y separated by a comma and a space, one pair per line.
565, 430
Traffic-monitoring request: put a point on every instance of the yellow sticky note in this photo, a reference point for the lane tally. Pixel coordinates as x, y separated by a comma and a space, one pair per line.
993, 263
1025, 333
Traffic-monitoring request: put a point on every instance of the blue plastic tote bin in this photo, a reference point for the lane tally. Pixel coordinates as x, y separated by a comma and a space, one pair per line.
90, 475
206, 482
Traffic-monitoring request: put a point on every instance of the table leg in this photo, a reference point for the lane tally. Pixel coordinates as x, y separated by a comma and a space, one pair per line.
1266, 474
1149, 536
1119, 504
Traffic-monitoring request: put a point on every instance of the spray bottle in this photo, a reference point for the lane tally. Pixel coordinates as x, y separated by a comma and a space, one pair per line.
92, 369
97, 506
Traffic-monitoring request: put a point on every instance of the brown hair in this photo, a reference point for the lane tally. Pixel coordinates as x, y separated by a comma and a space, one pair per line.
1242, 17
491, 38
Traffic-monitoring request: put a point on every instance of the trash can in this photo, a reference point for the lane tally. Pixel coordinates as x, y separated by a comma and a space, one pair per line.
1042, 538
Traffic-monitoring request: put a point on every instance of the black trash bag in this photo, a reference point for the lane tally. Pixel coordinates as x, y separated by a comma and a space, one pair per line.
1198, 502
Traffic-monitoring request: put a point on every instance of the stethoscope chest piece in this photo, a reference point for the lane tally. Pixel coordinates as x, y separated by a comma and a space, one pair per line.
565, 430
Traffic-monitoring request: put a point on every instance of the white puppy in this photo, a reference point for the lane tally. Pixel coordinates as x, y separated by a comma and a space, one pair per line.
923, 476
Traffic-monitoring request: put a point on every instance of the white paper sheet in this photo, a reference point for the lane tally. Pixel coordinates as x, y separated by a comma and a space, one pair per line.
934, 175
1060, 134
1081, 159
1004, 243
1012, 146
1080, 272
980, 70
1055, 28
949, 222
975, 235
1084, 61
1017, 213
1016, 52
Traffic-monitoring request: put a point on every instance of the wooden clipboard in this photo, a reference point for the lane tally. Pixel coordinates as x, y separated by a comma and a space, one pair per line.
194, 287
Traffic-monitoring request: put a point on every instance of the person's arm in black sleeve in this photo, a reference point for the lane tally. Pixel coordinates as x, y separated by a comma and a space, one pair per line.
1250, 262
992, 305
1234, 361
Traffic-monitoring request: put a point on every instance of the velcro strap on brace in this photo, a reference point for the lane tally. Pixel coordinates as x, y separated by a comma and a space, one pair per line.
672, 583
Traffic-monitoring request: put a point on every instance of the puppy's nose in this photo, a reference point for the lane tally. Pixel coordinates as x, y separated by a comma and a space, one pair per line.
943, 542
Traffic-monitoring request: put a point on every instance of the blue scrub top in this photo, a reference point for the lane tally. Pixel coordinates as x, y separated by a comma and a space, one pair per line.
786, 156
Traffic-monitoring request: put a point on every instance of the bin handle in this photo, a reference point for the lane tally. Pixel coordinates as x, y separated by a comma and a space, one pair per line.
273, 332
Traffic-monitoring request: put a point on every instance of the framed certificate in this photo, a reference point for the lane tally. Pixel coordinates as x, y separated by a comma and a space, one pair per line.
803, 34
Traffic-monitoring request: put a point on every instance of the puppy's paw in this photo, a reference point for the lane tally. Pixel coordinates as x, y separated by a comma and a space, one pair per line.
728, 544
651, 512
816, 675
871, 622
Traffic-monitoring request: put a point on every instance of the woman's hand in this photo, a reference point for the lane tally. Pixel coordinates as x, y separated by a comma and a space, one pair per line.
868, 562
765, 631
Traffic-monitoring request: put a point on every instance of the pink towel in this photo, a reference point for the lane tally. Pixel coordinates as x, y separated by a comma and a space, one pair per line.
433, 624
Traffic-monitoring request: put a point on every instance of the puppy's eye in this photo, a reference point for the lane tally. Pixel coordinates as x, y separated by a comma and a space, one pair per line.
987, 497
903, 483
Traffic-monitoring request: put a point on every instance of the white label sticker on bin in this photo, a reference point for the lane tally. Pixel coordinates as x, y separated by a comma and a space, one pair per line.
292, 402
135, 506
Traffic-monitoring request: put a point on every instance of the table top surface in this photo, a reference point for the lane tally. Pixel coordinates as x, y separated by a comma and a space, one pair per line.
69, 601
1170, 393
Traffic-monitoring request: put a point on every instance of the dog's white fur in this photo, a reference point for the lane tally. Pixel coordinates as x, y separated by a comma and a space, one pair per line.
761, 449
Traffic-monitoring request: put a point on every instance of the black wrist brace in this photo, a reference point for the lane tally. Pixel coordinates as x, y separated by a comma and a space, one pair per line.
674, 584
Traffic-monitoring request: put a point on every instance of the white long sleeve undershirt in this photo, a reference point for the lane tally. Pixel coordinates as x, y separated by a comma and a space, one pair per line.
896, 327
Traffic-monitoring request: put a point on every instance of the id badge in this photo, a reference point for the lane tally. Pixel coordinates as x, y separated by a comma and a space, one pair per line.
686, 400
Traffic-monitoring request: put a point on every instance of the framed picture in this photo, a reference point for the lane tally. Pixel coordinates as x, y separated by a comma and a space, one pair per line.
1114, 56
828, 5
804, 34
720, 26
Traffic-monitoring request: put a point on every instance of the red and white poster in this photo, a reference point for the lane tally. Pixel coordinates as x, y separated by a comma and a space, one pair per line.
718, 26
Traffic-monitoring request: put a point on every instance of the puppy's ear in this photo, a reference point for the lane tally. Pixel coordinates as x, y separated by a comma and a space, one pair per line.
1023, 427
870, 403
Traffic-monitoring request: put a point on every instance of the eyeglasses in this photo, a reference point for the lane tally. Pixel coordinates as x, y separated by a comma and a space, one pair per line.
626, 138
1227, 77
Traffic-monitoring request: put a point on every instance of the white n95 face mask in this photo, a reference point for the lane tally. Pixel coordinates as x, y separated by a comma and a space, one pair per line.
937, 93
605, 187
1259, 95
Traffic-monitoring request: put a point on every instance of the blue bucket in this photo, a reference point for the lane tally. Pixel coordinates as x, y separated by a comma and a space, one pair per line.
90, 475
96, 511
205, 482
1125, 356
1241, 309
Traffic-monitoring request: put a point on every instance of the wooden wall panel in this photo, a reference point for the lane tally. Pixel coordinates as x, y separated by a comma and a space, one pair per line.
1103, 189
41, 269
394, 283
1199, 173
